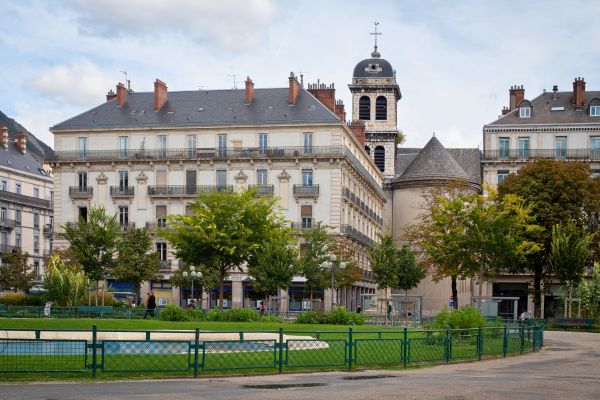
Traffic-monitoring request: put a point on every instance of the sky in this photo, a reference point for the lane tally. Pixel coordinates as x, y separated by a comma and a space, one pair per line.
454, 60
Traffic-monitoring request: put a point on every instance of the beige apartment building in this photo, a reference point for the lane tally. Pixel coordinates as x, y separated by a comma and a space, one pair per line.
26, 202
147, 155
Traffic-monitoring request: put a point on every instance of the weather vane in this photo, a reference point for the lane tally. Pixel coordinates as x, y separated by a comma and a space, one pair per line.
375, 53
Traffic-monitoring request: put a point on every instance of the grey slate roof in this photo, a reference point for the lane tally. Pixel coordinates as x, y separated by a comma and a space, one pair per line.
362, 69
434, 161
12, 157
204, 108
542, 113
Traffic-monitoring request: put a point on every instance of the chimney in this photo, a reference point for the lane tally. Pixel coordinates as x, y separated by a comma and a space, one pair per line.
579, 92
358, 128
111, 95
516, 95
294, 90
160, 94
324, 93
340, 110
121, 94
249, 94
4, 136
555, 92
21, 142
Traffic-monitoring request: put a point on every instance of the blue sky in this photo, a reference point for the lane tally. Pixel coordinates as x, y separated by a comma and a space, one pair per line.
454, 60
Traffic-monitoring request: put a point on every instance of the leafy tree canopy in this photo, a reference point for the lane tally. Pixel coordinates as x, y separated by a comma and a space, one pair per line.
15, 273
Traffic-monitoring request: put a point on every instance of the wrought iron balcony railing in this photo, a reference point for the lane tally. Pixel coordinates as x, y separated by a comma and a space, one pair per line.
588, 154
18, 198
7, 248
185, 190
352, 198
127, 226
306, 191
6, 223
304, 225
356, 235
121, 191
81, 192
263, 190
161, 223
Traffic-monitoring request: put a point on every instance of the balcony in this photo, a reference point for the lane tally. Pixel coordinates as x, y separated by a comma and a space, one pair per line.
185, 190
81, 192
356, 235
7, 224
128, 226
306, 191
303, 226
541, 154
18, 198
165, 265
48, 230
7, 248
263, 190
368, 211
161, 223
121, 191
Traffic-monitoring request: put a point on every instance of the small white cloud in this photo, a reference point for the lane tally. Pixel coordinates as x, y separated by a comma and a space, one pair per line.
81, 83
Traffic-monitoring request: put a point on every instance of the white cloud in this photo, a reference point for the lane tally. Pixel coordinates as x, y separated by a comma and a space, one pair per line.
79, 83
233, 24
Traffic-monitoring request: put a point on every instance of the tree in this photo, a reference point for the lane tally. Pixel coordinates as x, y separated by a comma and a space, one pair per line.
344, 250
409, 273
15, 274
316, 249
94, 243
136, 261
569, 255
275, 264
66, 284
382, 255
207, 278
556, 192
224, 231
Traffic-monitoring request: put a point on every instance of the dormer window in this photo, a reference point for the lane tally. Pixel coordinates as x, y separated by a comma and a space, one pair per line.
525, 112
595, 111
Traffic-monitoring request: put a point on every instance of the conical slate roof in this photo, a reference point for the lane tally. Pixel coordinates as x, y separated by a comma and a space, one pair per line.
433, 162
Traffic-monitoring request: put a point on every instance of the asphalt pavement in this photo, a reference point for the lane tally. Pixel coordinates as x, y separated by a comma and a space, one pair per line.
567, 368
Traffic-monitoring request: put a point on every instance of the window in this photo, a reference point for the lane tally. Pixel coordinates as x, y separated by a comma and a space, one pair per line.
190, 181
36, 220
162, 146
82, 213
36, 269
561, 147
189, 211
307, 177
123, 216
368, 150
82, 181
18, 216
36, 244
3, 214
308, 142
4, 185
191, 144
161, 216
36, 192
123, 146
595, 147
123, 181
4, 239
82, 147
364, 108
261, 176
381, 108
263, 142
221, 179
161, 178
18, 240
524, 147
594, 111
503, 148
502, 174
18, 188
222, 142
306, 216
525, 112
379, 158
161, 249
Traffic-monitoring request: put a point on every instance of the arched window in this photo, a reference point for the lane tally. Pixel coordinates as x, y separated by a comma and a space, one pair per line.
368, 150
381, 108
364, 108
380, 158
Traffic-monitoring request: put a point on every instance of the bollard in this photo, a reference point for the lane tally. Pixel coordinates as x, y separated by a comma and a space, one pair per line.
196, 344
94, 353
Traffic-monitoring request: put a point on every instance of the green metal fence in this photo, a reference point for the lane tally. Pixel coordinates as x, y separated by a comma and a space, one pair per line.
197, 352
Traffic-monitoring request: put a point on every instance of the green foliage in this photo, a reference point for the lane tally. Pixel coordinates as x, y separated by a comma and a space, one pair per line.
173, 312
66, 285
569, 252
337, 316
14, 271
463, 318
223, 231
409, 273
21, 299
317, 248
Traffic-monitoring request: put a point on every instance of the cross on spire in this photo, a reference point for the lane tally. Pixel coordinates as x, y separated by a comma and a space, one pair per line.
375, 53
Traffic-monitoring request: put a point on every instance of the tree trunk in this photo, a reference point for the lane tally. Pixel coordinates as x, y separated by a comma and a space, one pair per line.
221, 288
537, 291
454, 292
97, 290
479, 294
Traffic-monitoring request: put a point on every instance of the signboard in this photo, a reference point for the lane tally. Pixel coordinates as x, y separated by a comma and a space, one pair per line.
452, 304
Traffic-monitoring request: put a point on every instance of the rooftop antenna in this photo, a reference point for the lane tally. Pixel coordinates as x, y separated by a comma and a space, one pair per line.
127, 81
375, 53
301, 73
235, 82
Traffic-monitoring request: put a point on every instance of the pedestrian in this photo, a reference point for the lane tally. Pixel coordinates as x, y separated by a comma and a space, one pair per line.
261, 308
389, 311
150, 305
358, 309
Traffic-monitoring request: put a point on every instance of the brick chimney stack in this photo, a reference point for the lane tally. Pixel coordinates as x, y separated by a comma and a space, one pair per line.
358, 128
111, 95
294, 90
121, 94
324, 93
579, 92
21, 142
340, 110
249, 93
516, 95
4, 136
161, 96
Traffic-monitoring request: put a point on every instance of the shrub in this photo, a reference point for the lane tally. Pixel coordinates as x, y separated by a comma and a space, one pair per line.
235, 314
337, 316
66, 285
463, 318
173, 312
309, 317
271, 318
13, 299
195, 314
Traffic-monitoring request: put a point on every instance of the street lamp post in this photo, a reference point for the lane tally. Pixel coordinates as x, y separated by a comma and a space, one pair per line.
192, 274
332, 267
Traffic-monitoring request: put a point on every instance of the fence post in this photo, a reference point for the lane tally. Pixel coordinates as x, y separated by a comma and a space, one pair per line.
479, 343
522, 334
350, 349
505, 341
94, 354
37, 334
196, 344
148, 335
280, 350
405, 346
448, 345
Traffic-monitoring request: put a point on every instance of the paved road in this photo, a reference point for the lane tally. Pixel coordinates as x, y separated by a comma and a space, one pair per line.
568, 368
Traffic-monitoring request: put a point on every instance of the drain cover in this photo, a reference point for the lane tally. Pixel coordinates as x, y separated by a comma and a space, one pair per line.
364, 377
284, 386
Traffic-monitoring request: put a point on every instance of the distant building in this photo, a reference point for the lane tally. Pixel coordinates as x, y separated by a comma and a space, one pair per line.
26, 202
561, 125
